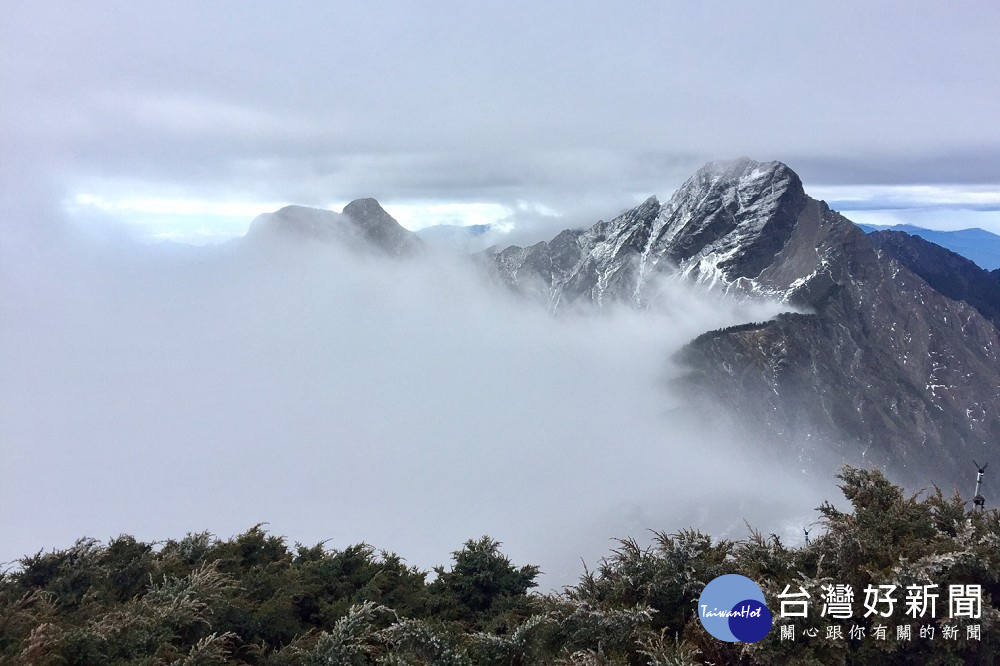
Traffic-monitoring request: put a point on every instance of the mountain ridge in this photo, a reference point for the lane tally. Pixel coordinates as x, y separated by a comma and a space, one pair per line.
950, 273
878, 362
978, 245
362, 225
883, 365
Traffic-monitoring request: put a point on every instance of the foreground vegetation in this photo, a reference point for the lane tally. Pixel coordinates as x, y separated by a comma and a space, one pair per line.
253, 599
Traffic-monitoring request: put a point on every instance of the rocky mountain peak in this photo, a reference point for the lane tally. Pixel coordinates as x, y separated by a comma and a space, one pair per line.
735, 184
380, 227
723, 226
363, 225
884, 367
730, 218
740, 169
367, 211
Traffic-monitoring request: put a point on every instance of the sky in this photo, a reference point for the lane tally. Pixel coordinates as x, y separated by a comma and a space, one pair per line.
149, 390
186, 119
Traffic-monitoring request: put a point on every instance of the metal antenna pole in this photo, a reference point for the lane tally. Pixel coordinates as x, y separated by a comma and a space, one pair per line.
807, 535
979, 500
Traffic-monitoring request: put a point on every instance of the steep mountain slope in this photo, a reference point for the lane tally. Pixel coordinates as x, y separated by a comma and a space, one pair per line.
380, 228
881, 365
950, 273
722, 228
977, 245
362, 225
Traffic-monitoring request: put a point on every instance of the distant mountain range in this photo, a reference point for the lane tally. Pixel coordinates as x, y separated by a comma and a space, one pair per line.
979, 245
891, 353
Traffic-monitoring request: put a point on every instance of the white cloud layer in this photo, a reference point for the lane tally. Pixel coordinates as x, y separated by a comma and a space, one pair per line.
411, 405
889, 197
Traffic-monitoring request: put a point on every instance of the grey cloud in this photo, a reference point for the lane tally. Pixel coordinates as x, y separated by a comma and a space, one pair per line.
494, 99
917, 165
893, 205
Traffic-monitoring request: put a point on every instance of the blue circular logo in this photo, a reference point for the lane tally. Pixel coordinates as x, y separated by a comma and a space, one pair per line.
732, 609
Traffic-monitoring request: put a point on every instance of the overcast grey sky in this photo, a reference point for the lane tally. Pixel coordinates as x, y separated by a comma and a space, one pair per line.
193, 116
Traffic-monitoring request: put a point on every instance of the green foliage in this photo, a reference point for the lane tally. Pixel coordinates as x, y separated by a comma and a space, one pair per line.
352, 639
667, 576
481, 585
252, 599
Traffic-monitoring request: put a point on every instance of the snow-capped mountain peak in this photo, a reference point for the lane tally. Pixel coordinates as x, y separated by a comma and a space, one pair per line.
883, 364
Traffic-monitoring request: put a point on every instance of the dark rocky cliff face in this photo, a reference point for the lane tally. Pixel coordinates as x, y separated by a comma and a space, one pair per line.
886, 366
721, 228
880, 365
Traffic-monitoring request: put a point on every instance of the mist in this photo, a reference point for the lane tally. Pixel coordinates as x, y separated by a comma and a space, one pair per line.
337, 396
